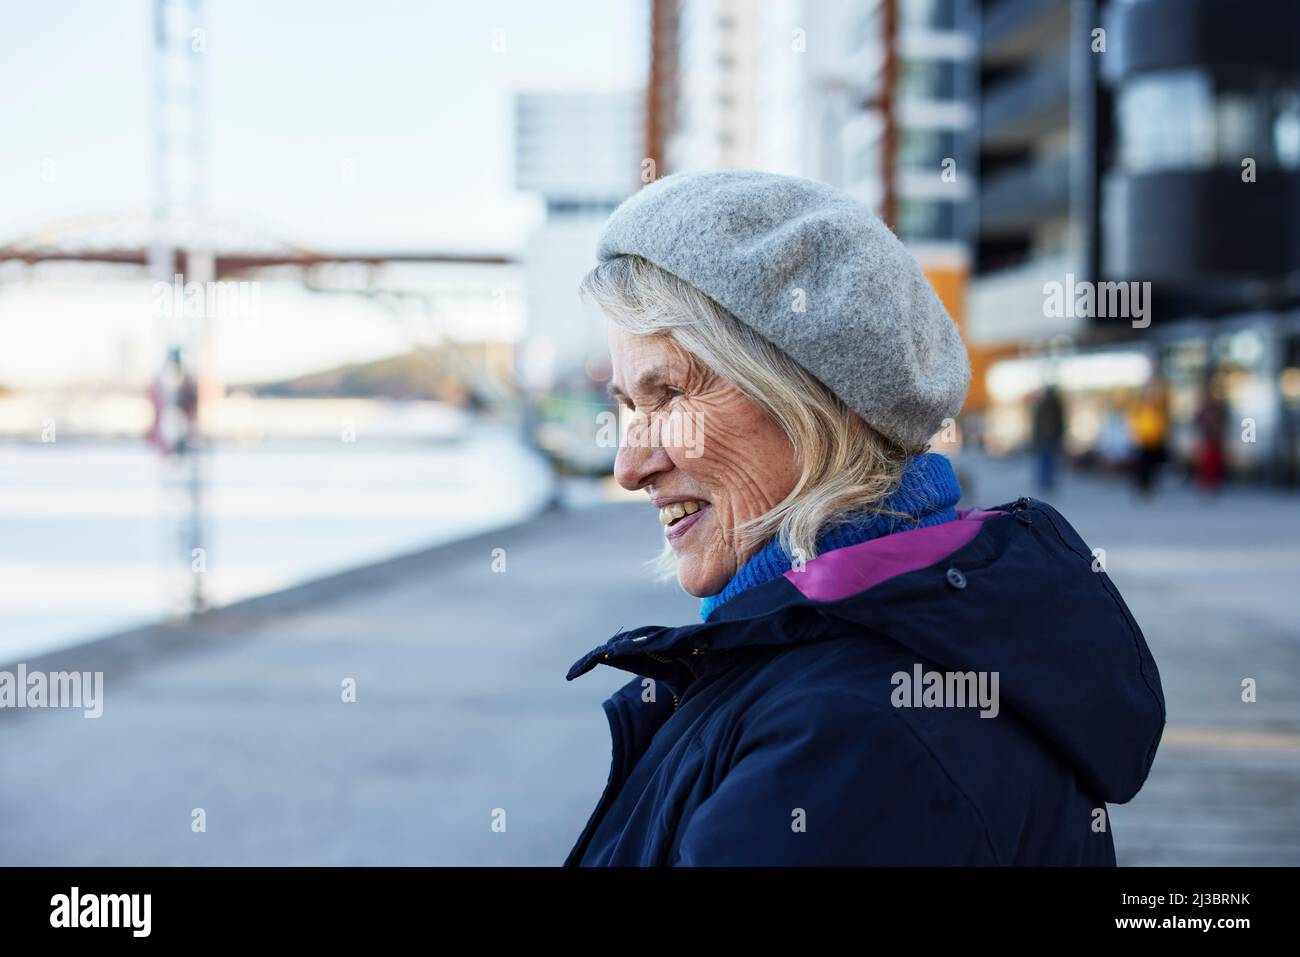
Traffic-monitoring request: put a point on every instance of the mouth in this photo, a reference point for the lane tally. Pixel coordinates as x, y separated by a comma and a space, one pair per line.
679, 517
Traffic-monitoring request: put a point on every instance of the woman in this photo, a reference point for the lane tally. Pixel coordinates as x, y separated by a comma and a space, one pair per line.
1211, 430
877, 677
1149, 423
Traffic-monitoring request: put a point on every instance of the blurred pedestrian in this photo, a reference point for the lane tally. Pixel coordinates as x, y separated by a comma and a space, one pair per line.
1114, 442
1048, 434
174, 397
1149, 424
839, 583
1211, 426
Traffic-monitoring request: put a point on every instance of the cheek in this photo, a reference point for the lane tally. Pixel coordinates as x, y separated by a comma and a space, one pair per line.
702, 446
738, 451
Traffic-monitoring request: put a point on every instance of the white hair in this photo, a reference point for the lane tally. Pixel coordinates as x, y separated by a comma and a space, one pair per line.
847, 468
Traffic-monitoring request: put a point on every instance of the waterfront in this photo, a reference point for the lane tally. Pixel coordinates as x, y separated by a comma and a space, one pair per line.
91, 540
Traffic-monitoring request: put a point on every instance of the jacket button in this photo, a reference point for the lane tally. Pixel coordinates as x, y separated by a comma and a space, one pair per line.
956, 579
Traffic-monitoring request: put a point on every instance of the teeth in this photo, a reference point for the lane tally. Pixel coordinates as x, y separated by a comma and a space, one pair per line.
671, 513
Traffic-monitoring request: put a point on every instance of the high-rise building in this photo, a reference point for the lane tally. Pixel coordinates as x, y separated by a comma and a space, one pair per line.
827, 90
1200, 196
1037, 149
874, 96
902, 117
582, 153
1149, 148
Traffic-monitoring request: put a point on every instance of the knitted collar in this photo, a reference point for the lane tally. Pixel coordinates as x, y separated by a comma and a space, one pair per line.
928, 494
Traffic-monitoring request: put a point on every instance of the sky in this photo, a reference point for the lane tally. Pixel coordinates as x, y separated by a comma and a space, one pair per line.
333, 125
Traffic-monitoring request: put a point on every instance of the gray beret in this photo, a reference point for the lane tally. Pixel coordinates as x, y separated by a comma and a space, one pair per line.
816, 273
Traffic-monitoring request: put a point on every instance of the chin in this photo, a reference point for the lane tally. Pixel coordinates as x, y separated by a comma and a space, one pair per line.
697, 583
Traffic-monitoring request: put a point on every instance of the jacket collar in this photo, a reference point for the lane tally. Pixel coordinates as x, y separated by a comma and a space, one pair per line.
776, 612
926, 495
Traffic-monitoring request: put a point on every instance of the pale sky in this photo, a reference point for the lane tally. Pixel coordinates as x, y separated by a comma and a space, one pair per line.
411, 96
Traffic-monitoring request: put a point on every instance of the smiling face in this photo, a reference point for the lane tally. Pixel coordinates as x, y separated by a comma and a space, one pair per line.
699, 447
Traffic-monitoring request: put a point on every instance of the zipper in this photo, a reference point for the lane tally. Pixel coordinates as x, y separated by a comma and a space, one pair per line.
669, 659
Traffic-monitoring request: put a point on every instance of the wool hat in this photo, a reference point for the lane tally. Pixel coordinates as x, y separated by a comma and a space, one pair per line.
817, 274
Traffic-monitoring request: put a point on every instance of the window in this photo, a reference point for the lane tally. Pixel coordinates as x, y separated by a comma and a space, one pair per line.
925, 149
929, 14
928, 79
1179, 120
926, 220
1286, 128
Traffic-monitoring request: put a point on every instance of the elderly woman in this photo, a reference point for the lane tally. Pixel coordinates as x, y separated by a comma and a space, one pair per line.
878, 677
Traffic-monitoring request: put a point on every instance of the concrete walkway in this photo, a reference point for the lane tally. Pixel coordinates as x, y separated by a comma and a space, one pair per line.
462, 708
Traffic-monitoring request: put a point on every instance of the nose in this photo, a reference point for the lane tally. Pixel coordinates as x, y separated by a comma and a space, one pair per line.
636, 466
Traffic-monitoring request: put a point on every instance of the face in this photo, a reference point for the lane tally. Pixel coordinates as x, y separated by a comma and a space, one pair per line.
707, 457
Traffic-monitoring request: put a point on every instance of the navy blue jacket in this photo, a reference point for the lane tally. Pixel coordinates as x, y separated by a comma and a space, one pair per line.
783, 730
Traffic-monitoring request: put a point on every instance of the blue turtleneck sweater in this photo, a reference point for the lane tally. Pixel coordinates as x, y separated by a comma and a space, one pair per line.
928, 494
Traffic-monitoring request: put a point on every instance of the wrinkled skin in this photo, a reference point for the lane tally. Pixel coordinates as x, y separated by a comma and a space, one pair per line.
694, 435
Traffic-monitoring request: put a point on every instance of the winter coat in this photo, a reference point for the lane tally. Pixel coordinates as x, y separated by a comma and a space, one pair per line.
834, 715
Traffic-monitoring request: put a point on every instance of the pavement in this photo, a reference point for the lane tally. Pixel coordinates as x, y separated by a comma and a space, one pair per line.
463, 722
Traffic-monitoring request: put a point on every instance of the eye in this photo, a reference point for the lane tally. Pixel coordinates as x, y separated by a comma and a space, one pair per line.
664, 396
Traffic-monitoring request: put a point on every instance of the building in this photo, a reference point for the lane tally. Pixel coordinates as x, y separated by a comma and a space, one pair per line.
1101, 191
1200, 196
874, 96
1144, 152
581, 153
903, 117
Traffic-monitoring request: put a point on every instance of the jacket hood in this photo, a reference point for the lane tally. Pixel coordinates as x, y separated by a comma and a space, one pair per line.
1013, 590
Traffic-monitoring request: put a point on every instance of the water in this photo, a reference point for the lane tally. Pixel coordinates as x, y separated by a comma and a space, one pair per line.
90, 541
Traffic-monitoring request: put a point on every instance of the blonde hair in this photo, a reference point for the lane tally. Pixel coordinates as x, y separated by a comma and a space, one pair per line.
848, 469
